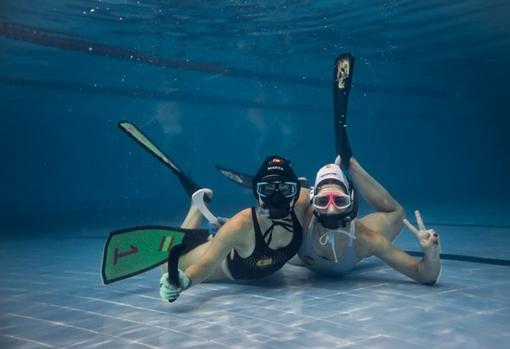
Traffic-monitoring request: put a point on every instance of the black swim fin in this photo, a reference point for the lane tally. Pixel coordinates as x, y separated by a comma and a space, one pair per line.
189, 186
243, 179
246, 180
173, 262
342, 80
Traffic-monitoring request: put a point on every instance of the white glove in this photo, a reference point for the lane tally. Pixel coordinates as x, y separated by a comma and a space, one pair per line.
171, 292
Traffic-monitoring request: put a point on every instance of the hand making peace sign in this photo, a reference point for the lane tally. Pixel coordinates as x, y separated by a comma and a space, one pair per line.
428, 238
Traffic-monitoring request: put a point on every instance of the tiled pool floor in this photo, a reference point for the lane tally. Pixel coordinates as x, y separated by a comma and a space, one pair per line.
51, 296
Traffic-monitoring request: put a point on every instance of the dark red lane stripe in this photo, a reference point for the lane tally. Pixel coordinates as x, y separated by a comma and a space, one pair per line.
40, 37
36, 36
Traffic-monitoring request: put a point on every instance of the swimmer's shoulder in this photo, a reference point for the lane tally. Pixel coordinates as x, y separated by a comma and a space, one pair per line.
241, 221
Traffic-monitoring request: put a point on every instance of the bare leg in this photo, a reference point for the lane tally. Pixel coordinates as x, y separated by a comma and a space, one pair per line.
388, 218
192, 220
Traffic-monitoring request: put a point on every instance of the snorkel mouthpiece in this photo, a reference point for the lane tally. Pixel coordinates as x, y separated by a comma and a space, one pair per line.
277, 206
333, 221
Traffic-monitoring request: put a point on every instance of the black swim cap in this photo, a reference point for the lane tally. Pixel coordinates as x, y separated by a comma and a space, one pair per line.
276, 169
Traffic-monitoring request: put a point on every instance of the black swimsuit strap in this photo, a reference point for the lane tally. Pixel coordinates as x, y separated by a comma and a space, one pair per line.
269, 231
286, 223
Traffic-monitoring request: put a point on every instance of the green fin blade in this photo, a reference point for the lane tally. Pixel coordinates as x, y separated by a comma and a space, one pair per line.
129, 252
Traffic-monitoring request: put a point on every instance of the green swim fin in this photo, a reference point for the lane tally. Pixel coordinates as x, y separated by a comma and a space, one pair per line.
132, 251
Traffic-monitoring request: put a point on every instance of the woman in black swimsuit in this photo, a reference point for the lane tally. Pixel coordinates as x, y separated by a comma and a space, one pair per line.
255, 242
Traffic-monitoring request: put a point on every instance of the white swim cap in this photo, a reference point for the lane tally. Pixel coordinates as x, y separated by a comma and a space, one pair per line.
331, 173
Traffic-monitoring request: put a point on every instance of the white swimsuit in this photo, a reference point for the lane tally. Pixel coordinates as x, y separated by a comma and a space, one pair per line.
322, 265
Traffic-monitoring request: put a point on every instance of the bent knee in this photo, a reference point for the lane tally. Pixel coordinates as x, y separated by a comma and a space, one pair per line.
400, 213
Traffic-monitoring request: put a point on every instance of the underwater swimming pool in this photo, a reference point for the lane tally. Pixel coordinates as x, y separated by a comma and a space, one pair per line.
228, 83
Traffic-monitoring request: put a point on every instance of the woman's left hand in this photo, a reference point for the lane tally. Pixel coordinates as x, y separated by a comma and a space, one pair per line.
428, 238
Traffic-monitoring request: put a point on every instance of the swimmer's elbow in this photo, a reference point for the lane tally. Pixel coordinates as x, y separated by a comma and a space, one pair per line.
429, 282
428, 278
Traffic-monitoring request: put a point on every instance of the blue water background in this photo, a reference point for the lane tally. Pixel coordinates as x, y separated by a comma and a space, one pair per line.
230, 82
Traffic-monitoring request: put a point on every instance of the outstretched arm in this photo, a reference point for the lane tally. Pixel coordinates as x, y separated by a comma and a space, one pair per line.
202, 264
425, 271
388, 218
228, 237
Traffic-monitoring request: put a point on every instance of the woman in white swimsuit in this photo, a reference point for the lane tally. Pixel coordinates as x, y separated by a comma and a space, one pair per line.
335, 240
